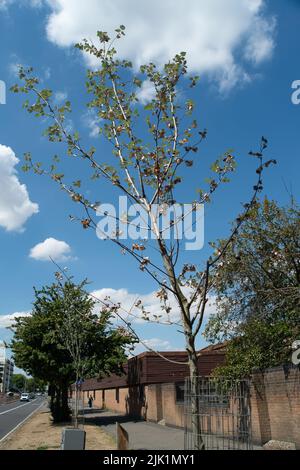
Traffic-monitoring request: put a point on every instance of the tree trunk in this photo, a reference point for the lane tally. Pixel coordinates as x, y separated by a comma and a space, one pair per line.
59, 403
65, 409
198, 443
52, 392
76, 404
194, 398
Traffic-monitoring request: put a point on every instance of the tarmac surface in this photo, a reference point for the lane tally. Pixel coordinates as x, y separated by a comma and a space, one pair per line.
13, 414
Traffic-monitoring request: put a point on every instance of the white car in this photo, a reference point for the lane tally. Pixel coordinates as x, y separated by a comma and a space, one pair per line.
24, 397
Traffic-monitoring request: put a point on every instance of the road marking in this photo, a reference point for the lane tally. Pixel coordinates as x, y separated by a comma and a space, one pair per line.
12, 402
16, 407
18, 425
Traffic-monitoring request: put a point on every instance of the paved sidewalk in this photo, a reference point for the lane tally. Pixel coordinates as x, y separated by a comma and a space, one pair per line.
142, 434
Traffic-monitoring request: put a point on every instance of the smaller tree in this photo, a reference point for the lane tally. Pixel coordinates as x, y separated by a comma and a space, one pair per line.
258, 293
18, 382
45, 344
33, 384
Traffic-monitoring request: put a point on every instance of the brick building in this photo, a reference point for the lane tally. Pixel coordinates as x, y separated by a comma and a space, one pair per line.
152, 388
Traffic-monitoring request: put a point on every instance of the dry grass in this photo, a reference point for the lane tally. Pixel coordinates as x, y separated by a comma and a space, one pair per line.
38, 433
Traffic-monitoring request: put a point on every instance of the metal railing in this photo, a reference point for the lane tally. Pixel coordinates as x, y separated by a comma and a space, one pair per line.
217, 414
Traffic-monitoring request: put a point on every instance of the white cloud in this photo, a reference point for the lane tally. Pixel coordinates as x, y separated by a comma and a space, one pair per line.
4, 4
36, 3
60, 97
128, 300
92, 122
14, 68
16, 62
155, 344
47, 74
150, 301
261, 43
56, 249
215, 33
146, 93
7, 320
15, 205
14, 65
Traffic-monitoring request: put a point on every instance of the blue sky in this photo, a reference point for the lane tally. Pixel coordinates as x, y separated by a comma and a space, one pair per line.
247, 57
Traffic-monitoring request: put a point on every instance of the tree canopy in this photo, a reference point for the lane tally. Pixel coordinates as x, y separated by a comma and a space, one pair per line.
41, 341
21, 383
18, 382
258, 290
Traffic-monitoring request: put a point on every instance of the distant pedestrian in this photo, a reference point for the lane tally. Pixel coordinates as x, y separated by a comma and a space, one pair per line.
90, 401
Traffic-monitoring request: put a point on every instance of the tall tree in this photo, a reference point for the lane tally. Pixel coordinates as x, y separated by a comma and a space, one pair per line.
148, 171
258, 291
41, 342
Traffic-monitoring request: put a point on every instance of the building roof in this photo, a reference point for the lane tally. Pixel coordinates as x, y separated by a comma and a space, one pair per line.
164, 367
217, 348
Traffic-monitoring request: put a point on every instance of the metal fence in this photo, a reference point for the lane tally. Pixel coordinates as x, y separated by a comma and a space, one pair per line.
217, 414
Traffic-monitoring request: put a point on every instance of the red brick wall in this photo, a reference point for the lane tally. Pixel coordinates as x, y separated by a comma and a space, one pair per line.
154, 403
275, 403
123, 400
98, 401
173, 412
116, 399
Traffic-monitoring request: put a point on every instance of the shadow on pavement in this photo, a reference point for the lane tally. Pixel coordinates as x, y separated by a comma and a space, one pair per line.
102, 418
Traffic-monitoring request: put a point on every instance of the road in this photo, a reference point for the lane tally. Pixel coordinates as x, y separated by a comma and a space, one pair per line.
15, 413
